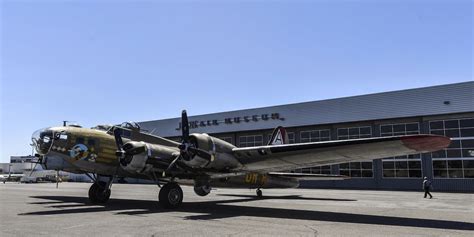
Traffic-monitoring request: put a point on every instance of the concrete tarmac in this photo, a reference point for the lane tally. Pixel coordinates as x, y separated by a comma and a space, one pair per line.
43, 210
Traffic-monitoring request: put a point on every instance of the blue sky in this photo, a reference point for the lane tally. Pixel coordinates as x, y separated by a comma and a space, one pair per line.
100, 62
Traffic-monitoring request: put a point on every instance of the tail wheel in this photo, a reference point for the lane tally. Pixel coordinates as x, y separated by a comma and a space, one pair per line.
171, 195
98, 194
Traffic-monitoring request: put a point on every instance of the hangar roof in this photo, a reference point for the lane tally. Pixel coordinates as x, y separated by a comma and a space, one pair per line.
434, 100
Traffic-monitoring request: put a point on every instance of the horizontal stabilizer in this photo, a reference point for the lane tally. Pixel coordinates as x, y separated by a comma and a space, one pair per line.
303, 176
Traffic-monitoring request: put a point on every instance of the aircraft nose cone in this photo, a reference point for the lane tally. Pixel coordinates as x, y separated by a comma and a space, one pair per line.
426, 143
42, 140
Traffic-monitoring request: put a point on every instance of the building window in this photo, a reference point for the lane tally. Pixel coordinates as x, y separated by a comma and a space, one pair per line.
355, 169
227, 139
315, 135
252, 140
457, 160
291, 137
325, 169
401, 166
399, 129
354, 133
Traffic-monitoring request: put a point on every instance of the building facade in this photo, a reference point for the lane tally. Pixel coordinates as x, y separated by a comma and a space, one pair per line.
445, 110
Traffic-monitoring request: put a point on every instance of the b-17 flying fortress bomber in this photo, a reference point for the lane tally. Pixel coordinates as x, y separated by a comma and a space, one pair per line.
203, 160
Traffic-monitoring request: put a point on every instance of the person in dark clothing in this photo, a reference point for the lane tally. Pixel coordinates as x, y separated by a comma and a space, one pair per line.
427, 187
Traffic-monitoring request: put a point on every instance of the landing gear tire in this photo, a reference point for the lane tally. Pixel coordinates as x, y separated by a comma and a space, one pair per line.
259, 193
171, 195
202, 190
98, 194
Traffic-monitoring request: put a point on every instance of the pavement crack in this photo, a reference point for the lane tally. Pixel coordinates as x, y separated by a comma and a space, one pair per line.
315, 231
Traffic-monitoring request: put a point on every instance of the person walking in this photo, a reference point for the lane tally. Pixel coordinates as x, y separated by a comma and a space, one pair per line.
427, 187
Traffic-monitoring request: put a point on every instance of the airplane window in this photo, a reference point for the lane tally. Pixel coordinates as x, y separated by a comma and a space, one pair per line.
133, 125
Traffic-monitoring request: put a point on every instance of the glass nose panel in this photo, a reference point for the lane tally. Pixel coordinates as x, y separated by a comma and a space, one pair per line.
43, 140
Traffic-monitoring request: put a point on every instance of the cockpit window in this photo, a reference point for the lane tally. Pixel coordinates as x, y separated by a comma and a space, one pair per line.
131, 125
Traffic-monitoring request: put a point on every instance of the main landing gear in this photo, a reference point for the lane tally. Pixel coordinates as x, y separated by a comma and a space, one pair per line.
99, 192
259, 193
171, 195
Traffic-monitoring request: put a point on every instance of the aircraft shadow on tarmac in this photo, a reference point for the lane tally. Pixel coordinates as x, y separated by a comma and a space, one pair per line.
286, 197
211, 210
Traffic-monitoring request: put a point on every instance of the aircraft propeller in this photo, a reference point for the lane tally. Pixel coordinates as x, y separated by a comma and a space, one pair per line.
126, 151
187, 148
120, 153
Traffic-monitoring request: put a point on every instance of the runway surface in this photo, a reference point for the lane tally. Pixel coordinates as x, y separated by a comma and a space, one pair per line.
43, 210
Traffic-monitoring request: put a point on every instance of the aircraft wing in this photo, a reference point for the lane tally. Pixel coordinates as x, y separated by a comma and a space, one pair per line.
292, 156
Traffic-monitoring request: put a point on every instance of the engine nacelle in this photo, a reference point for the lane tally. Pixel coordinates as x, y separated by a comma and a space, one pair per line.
135, 163
221, 152
138, 153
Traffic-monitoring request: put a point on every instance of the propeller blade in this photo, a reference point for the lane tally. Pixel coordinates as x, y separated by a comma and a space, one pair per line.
185, 126
120, 153
172, 164
118, 138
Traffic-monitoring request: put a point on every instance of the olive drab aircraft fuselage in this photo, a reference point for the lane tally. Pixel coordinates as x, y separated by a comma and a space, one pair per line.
204, 161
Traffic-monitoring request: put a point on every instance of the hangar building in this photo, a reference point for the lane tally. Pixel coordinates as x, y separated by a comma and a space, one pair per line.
446, 110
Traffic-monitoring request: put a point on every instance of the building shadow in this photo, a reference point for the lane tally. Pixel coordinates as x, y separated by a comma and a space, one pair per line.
212, 210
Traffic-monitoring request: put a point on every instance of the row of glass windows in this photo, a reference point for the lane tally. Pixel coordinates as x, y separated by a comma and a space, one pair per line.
252, 140
450, 128
355, 169
399, 129
456, 161
325, 169
354, 133
315, 135
401, 166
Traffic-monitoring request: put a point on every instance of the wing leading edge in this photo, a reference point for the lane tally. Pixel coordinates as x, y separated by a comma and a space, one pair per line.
291, 156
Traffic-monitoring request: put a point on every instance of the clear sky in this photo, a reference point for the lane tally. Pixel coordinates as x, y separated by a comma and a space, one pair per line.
102, 62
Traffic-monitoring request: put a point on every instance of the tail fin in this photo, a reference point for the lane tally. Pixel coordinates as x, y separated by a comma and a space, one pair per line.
279, 137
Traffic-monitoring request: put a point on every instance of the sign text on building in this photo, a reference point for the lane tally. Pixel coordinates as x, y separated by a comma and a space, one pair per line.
233, 120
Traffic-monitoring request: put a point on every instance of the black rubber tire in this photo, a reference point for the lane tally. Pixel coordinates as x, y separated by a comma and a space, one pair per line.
259, 193
171, 195
202, 190
98, 194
